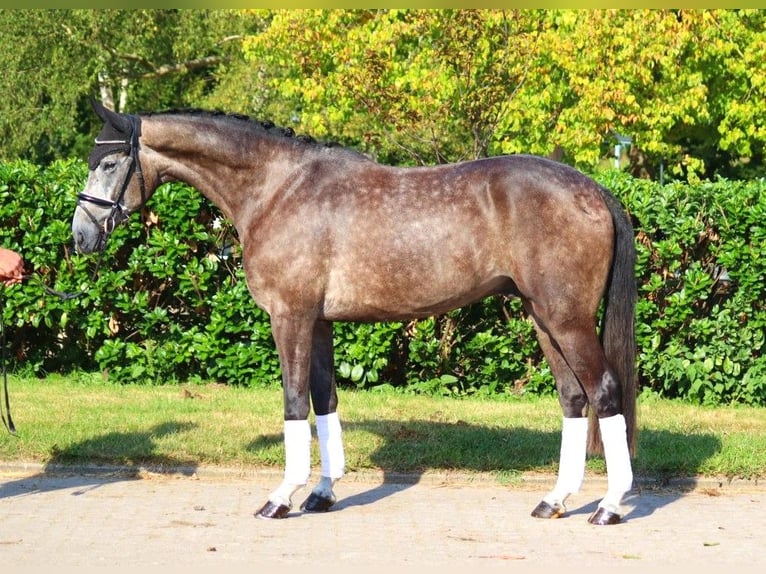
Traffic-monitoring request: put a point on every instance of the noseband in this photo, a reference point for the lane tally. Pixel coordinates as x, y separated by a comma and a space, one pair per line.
119, 212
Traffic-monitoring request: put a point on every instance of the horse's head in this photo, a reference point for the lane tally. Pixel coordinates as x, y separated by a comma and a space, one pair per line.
115, 186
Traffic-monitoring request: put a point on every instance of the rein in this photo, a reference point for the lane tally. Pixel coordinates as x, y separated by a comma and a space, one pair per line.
8, 422
118, 214
64, 295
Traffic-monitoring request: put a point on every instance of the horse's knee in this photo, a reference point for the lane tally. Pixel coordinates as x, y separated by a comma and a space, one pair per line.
296, 404
572, 398
324, 397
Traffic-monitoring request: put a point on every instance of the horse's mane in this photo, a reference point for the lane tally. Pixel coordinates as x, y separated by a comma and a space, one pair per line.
263, 126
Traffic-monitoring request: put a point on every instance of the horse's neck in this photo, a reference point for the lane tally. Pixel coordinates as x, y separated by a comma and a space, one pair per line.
220, 166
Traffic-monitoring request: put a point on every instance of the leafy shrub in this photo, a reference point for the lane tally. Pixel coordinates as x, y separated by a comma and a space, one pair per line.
169, 302
702, 287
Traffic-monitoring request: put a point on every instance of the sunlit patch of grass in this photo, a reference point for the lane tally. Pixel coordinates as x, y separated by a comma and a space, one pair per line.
68, 420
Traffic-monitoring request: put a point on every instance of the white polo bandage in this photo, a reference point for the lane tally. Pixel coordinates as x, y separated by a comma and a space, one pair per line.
331, 445
297, 452
574, 438
617, 455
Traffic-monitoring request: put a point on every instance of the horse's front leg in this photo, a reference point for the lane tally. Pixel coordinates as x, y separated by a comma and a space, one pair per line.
293, 339
325, 401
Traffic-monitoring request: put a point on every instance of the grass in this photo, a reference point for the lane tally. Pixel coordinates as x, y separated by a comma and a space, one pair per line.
81, 420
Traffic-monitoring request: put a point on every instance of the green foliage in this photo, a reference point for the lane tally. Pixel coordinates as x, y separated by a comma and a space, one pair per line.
55, 60
363, 352
169, 302
487, 348
428, 86
701, 313
407, 86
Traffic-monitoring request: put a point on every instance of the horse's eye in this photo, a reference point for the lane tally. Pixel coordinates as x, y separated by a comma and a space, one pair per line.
109, 165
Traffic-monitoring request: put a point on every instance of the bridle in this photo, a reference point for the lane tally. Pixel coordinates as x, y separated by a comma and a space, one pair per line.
118, 212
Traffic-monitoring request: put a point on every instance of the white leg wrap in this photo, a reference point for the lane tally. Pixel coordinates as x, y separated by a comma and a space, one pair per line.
297, 461
617, 455
331, 446
574, 438
297, 451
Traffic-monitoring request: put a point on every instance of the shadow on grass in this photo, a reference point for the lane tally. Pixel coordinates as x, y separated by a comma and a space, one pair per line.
407, 451
111, 457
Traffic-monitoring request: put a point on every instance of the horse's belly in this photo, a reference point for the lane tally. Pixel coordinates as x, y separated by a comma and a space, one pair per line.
389, 299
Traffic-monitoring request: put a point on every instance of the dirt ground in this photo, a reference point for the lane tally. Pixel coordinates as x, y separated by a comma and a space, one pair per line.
205, 520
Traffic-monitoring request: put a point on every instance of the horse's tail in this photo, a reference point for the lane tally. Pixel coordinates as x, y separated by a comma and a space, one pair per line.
618, 330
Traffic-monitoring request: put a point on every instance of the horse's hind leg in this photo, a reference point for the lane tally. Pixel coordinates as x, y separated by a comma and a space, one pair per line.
325, 401
580, 364
574, 432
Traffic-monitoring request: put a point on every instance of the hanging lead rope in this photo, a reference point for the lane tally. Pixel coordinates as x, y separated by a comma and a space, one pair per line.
6, 404
7, 420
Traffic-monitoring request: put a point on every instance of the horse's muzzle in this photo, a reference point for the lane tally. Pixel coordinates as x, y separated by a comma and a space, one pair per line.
87, 238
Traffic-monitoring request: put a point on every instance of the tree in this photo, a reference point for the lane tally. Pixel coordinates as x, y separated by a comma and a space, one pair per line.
443, 85
419, 85
407, 86
733, 50
683, 83
617, 71
55, 60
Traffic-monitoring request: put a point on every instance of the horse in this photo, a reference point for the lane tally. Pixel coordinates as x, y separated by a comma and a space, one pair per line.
328, 234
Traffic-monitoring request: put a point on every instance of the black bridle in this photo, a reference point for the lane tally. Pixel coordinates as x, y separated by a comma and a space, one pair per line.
119, 212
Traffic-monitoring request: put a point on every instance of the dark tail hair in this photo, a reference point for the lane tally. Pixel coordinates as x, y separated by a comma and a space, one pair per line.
618, 329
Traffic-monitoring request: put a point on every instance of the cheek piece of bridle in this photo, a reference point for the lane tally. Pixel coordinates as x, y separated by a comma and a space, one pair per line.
117, 214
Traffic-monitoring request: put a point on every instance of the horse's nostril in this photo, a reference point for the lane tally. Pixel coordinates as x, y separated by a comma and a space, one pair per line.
79, 240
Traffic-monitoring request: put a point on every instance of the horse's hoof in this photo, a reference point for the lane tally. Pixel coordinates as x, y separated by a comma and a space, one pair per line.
316, 503
271, 510
545, 510
603, 517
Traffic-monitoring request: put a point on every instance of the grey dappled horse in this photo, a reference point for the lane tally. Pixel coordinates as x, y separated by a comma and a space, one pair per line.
330, 235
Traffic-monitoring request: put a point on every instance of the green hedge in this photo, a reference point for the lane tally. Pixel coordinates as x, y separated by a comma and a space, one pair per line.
169, 302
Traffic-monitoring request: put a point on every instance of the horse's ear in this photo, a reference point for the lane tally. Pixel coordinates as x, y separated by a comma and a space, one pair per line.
101, 111
115, 136
120, 122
